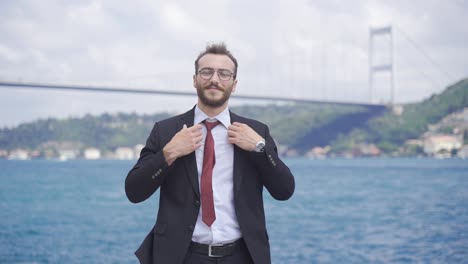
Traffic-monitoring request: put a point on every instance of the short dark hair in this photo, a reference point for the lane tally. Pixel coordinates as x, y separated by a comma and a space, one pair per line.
220, 49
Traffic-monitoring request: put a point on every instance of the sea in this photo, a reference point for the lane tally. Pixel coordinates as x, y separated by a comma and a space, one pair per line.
369, 210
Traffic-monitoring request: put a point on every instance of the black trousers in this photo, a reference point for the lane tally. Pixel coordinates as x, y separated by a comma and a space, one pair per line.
240, 255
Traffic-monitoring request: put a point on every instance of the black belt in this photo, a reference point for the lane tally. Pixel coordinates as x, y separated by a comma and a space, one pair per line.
215, 250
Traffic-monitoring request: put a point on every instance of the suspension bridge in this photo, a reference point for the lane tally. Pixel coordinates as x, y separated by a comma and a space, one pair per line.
376, 66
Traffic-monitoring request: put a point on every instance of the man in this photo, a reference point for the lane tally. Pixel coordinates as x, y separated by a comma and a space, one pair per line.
211, 166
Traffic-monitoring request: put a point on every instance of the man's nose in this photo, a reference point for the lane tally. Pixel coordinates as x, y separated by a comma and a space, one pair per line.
215, 77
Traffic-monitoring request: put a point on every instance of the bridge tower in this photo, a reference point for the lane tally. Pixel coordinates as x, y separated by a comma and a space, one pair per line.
384, 65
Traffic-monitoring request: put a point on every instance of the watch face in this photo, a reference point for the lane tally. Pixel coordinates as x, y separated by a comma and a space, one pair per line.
260, 146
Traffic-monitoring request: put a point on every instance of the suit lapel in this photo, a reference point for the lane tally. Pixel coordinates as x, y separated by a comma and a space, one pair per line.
237, 168
190, 161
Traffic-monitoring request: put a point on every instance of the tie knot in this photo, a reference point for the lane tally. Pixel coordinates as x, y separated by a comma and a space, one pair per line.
210, 125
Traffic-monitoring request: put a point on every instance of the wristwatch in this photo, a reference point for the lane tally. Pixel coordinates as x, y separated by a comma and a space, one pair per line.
260, 146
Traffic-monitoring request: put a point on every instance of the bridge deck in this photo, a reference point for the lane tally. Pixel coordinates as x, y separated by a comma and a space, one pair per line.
176, 93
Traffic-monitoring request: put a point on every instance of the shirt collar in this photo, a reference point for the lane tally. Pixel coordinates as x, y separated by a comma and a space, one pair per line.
224, 117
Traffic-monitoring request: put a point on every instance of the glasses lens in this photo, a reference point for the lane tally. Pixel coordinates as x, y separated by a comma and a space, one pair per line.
224, 75
206, 73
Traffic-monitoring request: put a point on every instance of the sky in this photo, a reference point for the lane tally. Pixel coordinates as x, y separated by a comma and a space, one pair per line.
294, 48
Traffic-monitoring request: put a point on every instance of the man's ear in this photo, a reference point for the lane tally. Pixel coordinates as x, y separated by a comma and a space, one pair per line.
234, 86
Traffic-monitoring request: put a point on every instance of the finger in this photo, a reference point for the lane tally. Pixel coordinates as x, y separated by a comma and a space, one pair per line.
232, 133
195, 127
233, 128
196, 131
198, 138
196, 143
241, 124
197, 135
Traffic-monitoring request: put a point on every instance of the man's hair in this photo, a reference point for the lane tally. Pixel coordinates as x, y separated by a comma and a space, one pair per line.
219, 49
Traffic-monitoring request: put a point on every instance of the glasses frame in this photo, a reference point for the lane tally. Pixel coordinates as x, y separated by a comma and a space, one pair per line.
217, 72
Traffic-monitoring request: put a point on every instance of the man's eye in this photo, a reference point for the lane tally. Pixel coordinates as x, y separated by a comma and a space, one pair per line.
225, 73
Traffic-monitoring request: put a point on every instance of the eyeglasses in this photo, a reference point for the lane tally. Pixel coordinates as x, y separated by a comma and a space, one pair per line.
223, 74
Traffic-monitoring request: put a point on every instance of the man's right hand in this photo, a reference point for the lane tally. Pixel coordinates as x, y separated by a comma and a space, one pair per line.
186, 141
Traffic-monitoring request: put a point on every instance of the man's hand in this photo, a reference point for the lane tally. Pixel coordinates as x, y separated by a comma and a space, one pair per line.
243, 136
183, 143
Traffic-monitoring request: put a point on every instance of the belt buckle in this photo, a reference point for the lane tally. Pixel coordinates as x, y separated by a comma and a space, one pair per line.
210, 247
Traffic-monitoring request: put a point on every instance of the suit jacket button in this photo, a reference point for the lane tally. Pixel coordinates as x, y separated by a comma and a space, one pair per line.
191, 227
197, 203
153, 177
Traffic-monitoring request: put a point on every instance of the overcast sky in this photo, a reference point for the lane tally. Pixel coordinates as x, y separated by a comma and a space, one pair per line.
307, 49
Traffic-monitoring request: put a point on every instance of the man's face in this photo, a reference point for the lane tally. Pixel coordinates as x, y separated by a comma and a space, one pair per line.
214, 91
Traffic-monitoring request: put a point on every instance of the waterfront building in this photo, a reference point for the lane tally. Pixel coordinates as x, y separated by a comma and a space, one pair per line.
18, 154
124, 153
434, 144
92, 154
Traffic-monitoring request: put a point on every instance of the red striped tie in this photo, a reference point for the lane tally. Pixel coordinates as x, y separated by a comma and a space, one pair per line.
209, 160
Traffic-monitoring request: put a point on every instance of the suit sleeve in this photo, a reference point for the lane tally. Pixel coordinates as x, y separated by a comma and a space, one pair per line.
150, 170
276, 176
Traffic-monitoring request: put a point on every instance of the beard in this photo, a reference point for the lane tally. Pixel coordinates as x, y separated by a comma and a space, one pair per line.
213, 102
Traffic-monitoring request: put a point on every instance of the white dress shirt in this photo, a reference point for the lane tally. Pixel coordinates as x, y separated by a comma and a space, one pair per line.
225, 228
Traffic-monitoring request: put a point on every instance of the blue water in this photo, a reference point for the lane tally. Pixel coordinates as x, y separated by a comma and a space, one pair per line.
343, 211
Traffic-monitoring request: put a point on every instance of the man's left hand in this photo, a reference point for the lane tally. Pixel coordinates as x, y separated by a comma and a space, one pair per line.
243, 136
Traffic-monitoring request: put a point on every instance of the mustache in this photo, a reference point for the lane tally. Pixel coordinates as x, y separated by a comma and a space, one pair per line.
213, 85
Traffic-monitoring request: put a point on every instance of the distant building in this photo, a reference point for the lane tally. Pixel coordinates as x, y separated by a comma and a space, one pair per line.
369, 150
291, 153
18, 154
92, 154
137, 150
436, 143
67, 154
414, 142
397, 110
124, 153
463, 152
35, 154
3, 154
318, 152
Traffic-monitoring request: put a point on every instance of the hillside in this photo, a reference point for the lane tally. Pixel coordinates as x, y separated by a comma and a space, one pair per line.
390, 131
299, 126
106, 131
293, 124
109, 131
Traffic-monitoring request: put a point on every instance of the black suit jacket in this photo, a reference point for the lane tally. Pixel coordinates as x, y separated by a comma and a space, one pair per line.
179, 203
